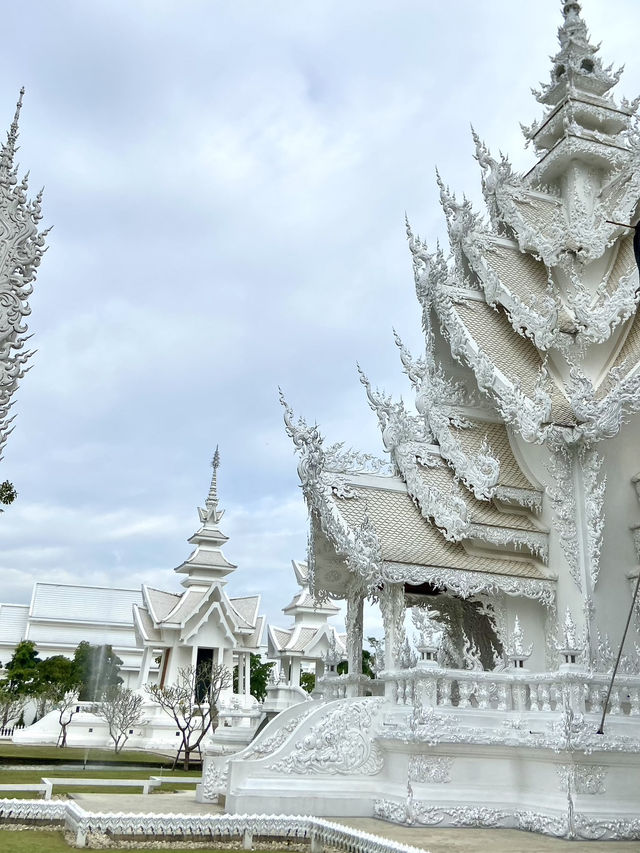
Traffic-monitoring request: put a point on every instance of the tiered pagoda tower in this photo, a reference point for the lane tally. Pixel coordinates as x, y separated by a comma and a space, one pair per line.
203, 625
507, 518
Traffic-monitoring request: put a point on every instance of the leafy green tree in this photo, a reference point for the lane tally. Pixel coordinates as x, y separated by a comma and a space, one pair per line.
8, 493
367, 664
259, 673
22, 670
307, 681
57, 676
97, 669
259, 676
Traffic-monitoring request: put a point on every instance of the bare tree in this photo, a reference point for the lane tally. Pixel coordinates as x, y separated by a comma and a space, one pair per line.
193, 703
67, 706
121, 709
11, 706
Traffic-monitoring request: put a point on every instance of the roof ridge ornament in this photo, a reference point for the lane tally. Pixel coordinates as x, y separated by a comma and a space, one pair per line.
9, 148
576, 65
211, 511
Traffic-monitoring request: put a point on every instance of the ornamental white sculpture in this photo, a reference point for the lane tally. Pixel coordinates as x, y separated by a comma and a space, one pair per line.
510, 501
21, 248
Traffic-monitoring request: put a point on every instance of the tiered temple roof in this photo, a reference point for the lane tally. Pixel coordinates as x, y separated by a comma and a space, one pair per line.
536, 305
167, 617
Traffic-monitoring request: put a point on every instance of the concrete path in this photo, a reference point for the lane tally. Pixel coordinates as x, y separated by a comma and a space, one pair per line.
182, 802
432, 840
484, 840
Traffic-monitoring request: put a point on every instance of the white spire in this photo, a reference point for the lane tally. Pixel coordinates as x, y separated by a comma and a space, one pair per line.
212, 499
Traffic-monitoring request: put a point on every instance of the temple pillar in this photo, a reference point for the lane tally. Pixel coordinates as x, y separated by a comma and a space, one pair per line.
240, 666
145, 665
294, 673
354, 623
392, 609
247, 674
226, 659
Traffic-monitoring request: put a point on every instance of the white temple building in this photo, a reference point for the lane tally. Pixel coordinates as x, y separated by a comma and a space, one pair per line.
154, 632
202, 624
500, 536
61, 616
305, 644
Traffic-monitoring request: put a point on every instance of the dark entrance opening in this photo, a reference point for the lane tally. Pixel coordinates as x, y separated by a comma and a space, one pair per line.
204, 665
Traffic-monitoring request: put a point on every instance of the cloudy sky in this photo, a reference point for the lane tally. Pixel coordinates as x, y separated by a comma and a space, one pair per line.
227, 184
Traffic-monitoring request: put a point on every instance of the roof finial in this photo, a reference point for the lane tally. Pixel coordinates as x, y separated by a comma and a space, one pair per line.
212, 498
570, 7
9, 148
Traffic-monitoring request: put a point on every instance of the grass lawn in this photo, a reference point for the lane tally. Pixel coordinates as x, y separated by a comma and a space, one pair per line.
19, 752
52, 841
28, 776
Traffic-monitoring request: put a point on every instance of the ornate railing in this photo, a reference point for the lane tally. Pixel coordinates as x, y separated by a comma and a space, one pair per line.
7, 731
511, 690
320, 833
348, 686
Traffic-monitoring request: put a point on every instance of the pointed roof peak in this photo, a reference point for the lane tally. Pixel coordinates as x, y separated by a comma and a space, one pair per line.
212, 498
9, 148
576, 66
571, 8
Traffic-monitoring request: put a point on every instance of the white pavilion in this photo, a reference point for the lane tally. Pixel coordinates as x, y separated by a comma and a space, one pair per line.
500, 538
308, 640
202, 624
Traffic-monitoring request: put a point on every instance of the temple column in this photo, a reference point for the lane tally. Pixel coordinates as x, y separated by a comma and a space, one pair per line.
392, 609
294, 676
354, 622
226, 659
247, 674
240, 666
145, 665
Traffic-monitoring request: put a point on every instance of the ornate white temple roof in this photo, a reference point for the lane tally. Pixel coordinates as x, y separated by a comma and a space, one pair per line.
164, 617
302, 642
310, 633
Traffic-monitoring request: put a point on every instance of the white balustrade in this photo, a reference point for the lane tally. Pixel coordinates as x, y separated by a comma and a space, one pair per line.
509, 690
281, 828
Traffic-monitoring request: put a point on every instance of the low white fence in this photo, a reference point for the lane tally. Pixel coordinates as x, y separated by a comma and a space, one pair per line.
514, 690
318, 832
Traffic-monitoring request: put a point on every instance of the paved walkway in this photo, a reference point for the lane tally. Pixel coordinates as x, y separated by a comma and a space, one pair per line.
432, 840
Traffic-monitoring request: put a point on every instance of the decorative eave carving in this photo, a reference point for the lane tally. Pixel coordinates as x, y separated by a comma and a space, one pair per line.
479, 474
534, 541
359, 548
586, 235
404, 438
468, 583
598, 417
530, 416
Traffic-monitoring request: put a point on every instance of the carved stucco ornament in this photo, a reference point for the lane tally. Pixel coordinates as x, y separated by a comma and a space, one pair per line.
341, 742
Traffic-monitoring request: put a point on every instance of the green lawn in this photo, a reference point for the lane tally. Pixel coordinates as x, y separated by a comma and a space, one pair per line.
52, 841
28, 776
72, 753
